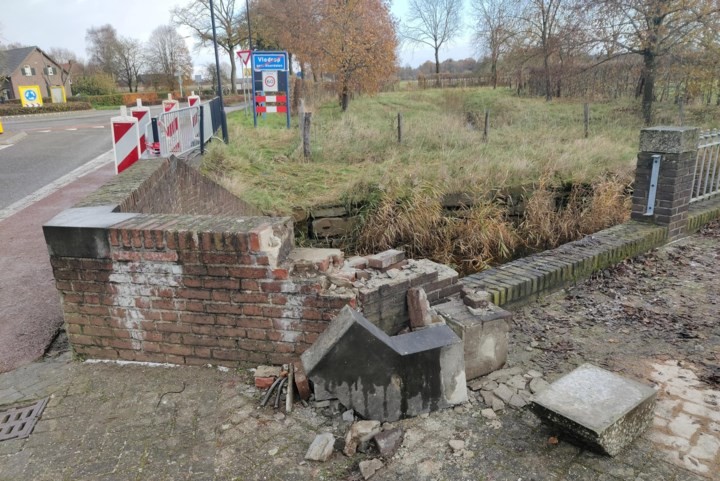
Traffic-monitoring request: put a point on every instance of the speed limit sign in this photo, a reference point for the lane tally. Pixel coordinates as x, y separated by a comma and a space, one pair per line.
270, 81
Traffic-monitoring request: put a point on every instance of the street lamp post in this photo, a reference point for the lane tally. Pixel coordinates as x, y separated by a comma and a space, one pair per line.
223, 120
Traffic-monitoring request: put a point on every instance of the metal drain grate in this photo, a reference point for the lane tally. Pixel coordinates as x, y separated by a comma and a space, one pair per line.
18, 423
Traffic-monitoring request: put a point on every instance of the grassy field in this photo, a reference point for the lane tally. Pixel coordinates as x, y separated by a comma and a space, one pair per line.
356, 159
528, 138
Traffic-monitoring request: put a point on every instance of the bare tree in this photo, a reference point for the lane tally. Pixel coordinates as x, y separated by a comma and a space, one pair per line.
433, 23
495, 26
168, 55
129, 61
64, 57
652, 29
228, 19
101, 46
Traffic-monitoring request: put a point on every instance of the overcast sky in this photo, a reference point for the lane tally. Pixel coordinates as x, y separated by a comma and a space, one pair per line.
53, 23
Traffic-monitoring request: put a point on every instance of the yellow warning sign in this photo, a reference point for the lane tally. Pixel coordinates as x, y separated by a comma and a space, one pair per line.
30, 96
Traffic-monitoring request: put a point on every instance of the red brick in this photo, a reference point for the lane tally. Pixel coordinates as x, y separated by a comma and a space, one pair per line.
197, 361
273, 311
278, 286
205, 352
221, 296
264, 382
248, 285
219, 258
172, 327
256, 323
252, 310
194, 294
223, 308
126, 256
251, 297
256, 334
197, 318
80, 339
172, 359
255, 345
217, 271
94, 310
192, 281
170, 316
301, 381
280, 274
249, 272
310, 337
283, 346
176, 349
195, 306
229, 354
221, 284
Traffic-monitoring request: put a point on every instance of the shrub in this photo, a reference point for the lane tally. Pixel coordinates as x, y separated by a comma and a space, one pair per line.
97, 84
8, 110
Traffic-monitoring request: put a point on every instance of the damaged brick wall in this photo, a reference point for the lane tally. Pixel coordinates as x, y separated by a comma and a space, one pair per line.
198, 289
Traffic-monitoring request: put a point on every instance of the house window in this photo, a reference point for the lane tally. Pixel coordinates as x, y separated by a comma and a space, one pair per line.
28, 71
49, 71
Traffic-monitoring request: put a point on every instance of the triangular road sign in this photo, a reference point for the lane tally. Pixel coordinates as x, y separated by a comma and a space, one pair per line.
244, 55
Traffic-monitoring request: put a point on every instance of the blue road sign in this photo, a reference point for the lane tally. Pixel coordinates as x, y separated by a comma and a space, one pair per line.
269, 61
30, 95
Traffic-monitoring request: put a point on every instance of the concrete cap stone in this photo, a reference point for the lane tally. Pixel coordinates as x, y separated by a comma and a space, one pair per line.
597, 407
669, 140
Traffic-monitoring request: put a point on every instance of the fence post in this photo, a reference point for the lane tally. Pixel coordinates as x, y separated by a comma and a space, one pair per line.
486, 128
400, 127
586, 119
307, 116
674, 151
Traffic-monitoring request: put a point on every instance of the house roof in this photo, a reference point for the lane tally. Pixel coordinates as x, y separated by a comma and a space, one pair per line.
11, 59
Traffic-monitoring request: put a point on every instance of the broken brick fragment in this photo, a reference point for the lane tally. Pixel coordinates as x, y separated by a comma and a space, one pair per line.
386, 259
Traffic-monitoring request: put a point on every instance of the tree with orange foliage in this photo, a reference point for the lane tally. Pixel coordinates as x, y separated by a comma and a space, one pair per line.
294, 25
359, 43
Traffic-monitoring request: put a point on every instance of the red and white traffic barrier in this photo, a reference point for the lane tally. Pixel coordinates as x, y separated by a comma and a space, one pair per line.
126, 140
142, 114
194, 101
274, 99
172, 129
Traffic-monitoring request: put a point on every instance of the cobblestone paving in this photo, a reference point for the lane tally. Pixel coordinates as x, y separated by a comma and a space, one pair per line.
130, 422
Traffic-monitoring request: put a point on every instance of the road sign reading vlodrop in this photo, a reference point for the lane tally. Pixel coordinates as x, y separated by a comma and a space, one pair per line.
270, 61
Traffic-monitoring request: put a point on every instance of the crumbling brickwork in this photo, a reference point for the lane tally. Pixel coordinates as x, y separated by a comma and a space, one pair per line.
170, 285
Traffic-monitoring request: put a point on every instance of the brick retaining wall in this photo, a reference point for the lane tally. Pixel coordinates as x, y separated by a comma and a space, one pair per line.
143, 277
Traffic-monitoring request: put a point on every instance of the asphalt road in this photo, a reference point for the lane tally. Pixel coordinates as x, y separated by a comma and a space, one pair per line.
53, 147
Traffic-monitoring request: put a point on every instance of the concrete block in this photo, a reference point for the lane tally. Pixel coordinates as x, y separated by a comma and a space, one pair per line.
82, 231
382, 377
321, 448
597, 408
386, 258
484, 333
669, 140
389, 441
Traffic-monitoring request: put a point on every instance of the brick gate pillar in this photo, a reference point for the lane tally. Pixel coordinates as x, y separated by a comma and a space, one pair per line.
677, 151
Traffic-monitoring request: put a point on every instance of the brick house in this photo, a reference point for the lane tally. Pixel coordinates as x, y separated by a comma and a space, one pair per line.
30, 66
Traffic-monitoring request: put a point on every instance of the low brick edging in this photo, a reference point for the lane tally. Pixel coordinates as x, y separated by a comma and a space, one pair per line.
524, 280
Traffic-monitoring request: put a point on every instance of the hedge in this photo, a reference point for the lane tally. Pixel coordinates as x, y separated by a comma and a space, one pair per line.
8, 109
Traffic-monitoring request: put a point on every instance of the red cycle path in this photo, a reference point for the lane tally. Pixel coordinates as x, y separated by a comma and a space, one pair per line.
30, 314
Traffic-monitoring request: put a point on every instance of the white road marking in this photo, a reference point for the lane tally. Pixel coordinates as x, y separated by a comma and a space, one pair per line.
71, 129
44, 131
52, 187
5, 146
98, 126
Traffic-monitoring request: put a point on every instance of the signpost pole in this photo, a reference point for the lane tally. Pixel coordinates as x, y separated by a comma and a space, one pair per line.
252, 81
223, 121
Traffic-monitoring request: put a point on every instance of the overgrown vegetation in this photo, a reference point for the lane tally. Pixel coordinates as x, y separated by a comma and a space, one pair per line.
398, 188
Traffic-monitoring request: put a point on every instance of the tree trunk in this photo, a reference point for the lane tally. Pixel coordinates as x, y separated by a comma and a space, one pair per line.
548, 81
493, 72
437, 66
344, 98
649, 63
233, 71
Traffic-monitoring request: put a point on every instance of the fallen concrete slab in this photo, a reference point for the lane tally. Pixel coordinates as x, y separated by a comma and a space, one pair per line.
382, 377
597, 408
